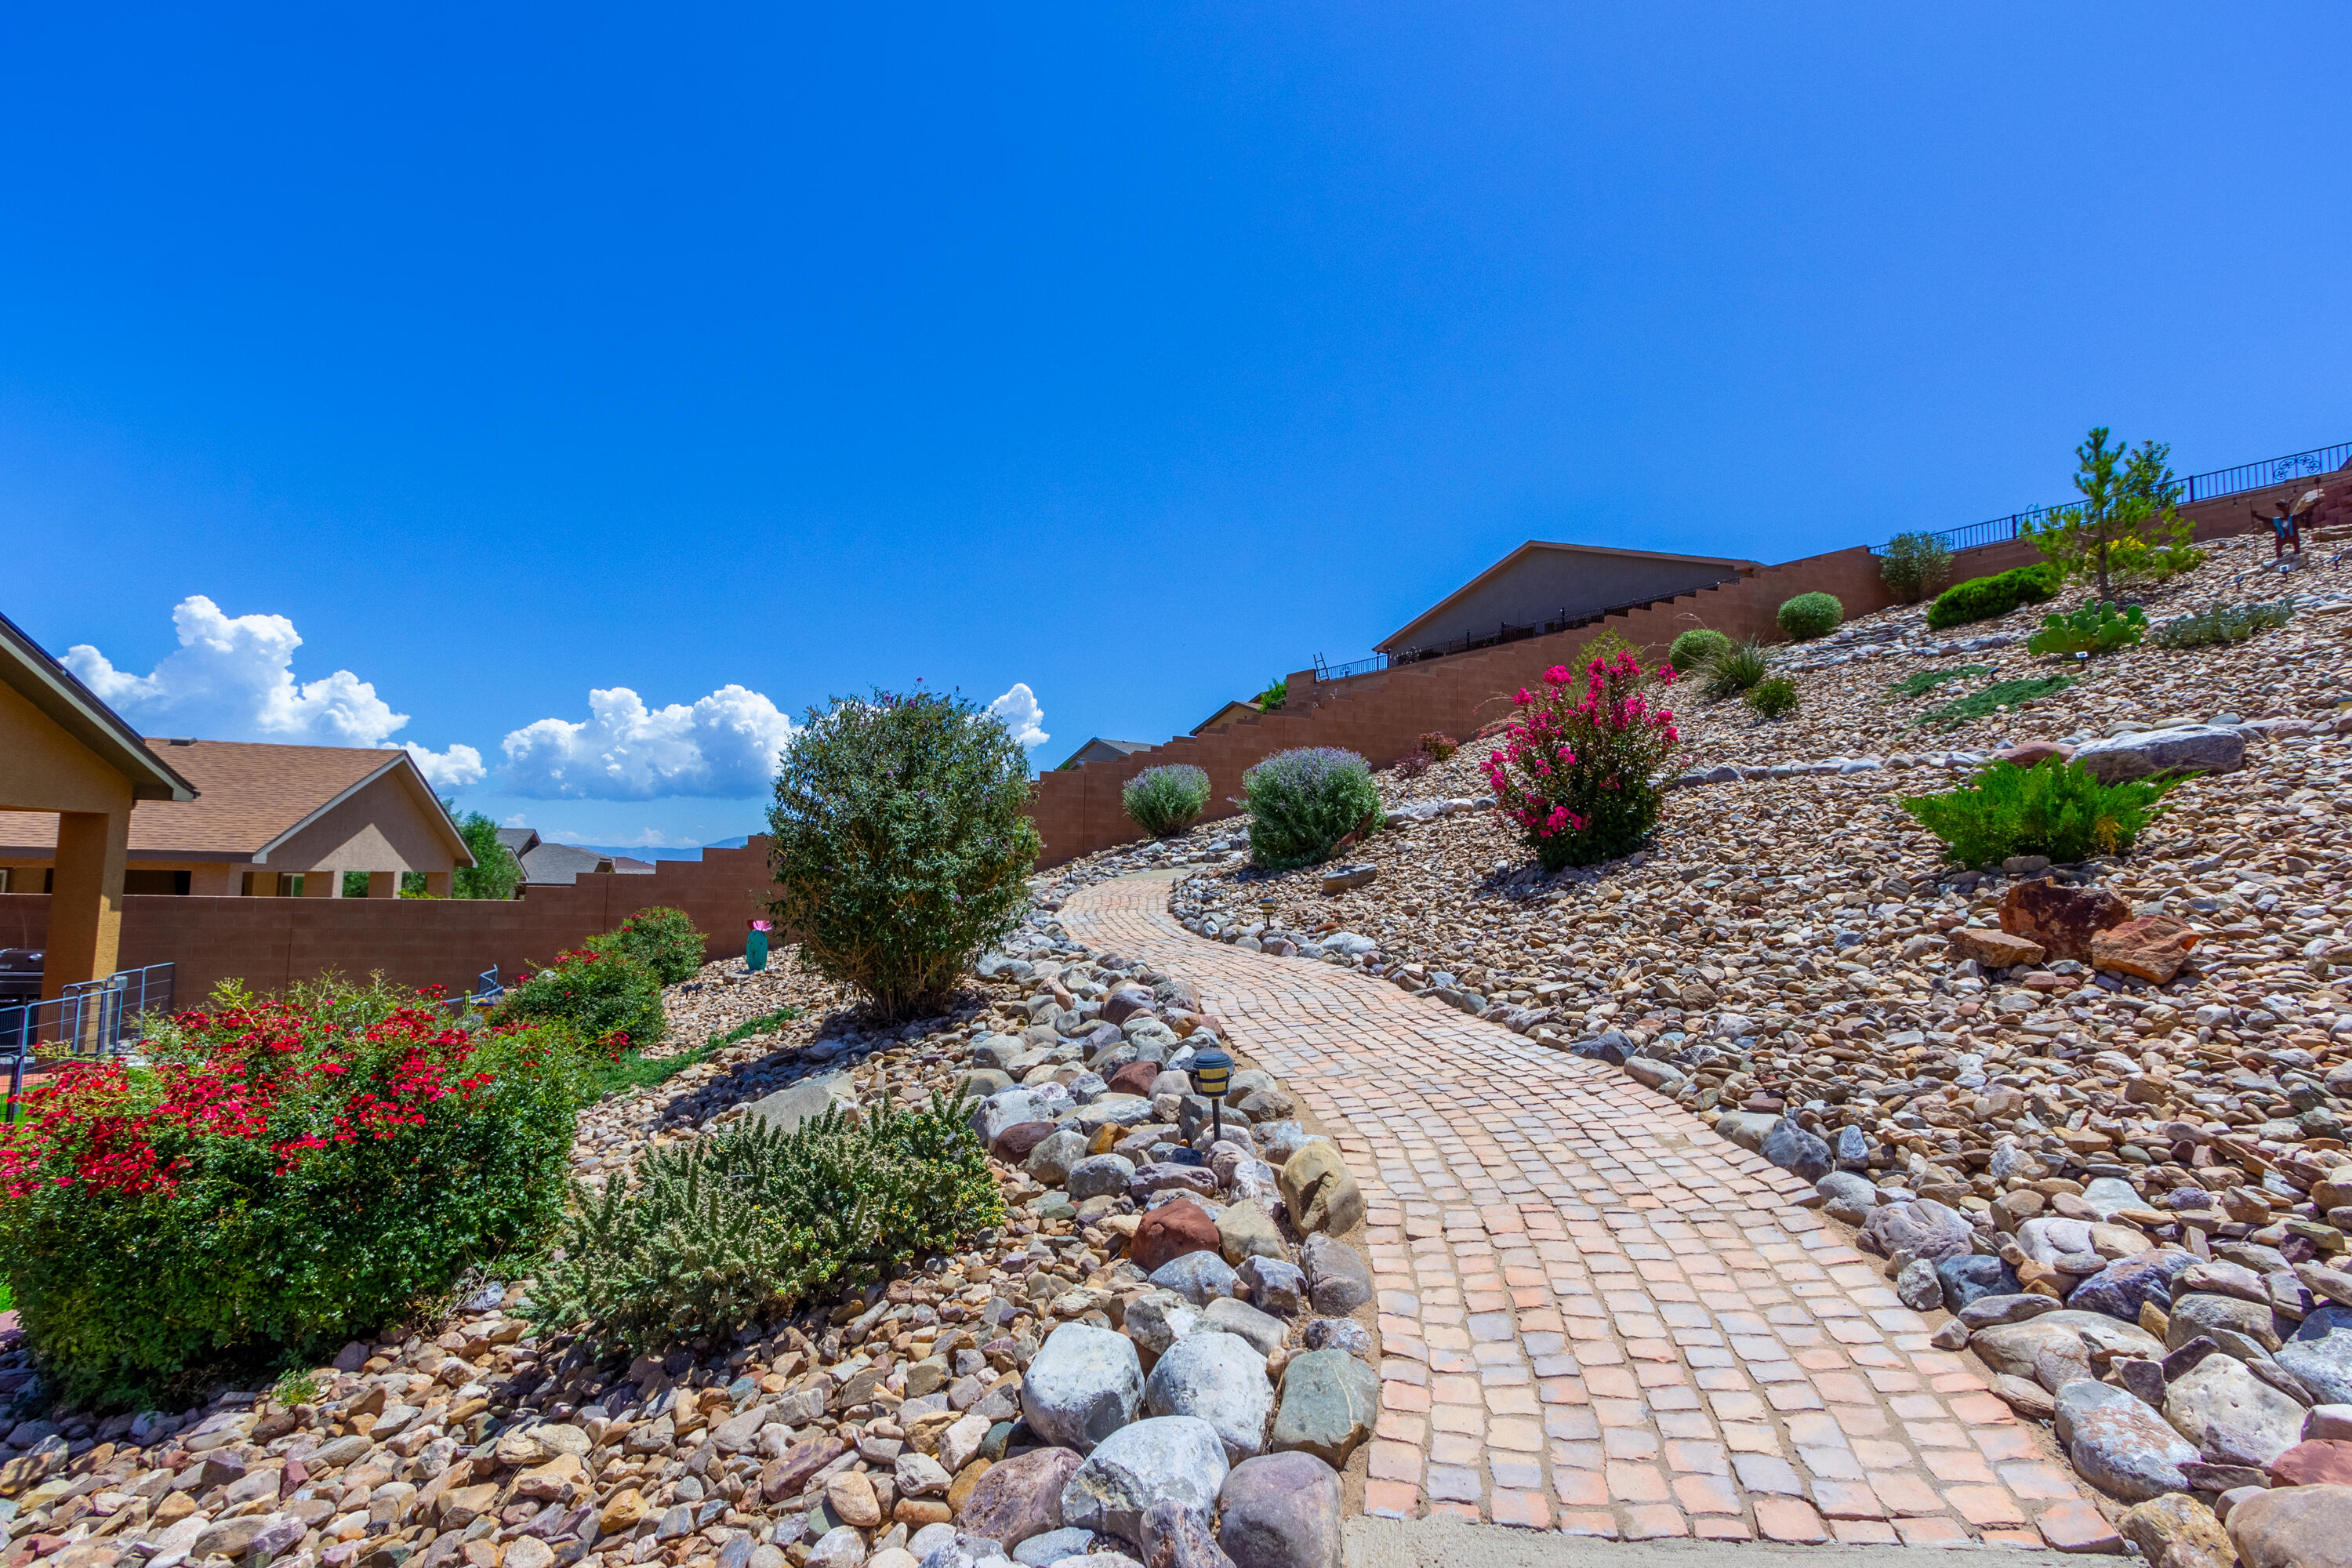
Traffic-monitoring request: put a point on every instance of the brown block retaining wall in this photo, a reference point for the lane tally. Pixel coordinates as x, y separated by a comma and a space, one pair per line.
270, 943
1384, 715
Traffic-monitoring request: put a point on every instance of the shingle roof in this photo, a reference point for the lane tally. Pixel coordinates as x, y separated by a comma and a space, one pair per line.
567, 862
53, 689
249, 796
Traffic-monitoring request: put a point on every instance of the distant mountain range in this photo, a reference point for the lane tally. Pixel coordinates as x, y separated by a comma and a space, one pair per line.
642, 852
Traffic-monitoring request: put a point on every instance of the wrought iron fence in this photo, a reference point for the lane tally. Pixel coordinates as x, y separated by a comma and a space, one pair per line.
2196, 488
88, 1021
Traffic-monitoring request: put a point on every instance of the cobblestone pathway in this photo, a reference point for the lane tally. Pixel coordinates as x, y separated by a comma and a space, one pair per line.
1596, 1315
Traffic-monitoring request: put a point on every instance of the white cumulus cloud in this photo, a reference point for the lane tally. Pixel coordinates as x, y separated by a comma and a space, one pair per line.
723, 745
232, 678
1022, 715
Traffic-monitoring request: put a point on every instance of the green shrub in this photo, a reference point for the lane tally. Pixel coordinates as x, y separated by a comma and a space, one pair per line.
2091, 628
727, 1229
1773, 698
1914, 565
1437, 746
1302, 803
1733, 671
609, 1000
1695, 648
1583, 773
664, 940
901, 843
2223, 623
1166, 800
1277, 692
2054, 808
280, 1177
2001, 694
1810, 615
495, 873
1982, 598
1920, 682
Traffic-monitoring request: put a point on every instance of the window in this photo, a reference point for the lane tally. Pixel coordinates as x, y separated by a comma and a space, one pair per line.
151, 882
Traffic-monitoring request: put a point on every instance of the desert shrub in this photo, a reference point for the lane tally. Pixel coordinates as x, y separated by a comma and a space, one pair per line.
1437, 746
1733, 671
279, 1177
2054, 808
1165, 800
1920, 682
1584, 774
2223, 623
901, 843
1695, 648
664, 940
1302, 803
1982, 598
2138, 563
611, 1003
1914, 565
729, 1228
1773, 698
2001, 694
1277, 692
1810, 615
2091, 628
1413, 766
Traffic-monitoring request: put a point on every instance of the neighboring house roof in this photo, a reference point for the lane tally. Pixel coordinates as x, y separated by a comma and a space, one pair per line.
1227, 714
75, 708
1504, 567
545, 863
1099, 750
520, 841
250, 797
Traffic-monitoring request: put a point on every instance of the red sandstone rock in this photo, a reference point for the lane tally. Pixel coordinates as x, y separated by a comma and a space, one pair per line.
2153, 947
1169, 1232
2062, 920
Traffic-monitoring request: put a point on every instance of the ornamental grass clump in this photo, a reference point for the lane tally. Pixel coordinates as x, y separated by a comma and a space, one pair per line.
278, 1178
739, 1225
1168, 799
1733, 669
1584, 774
901, 843
1696, 647
2055, 809
1302, 803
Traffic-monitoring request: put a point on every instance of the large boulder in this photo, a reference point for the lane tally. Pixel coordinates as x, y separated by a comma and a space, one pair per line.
1330, 1401
2202, 1314
1317, 1190
1098, 1175
2320, 1353
1246, 1230
1083, 1384
2123, 1287
1282, 1511
1020, 1496
2294, 1527
2147, 753
1220, 1378
2056, 1348
1796, 1150
1053, 1155
1200, 1277
2176, 1531
2232, 1417
2119, 1444
1338, 1281
804, 1102
1175, 1459
2061, 919
1923, 1228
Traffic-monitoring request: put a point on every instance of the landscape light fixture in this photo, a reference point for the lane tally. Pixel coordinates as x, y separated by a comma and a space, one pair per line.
1212, 1071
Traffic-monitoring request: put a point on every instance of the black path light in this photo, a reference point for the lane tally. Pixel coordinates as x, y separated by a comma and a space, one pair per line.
1212, 1071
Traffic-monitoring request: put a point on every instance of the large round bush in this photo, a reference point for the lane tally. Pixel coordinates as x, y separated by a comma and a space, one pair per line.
901, 843
609, 1000
1982, 598
1302, 803
1166, 799
1695, 648
1810, 615
662, 939
280, 1178
1583, 772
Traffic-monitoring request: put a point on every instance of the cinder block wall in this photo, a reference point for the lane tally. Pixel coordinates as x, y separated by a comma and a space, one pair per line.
270, 944
1383, 715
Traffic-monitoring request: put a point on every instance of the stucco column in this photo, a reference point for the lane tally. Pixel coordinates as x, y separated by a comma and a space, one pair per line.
436, 883
384, 884
86, 904
322, 884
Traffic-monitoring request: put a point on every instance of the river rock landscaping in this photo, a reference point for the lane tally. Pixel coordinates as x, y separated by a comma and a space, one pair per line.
2092, 1116
1166, 1346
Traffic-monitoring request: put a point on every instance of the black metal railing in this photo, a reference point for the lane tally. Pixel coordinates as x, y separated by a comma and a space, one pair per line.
88, 1021
2196, 488
1372, 666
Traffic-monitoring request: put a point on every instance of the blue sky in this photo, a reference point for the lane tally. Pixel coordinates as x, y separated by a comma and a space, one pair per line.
426, 371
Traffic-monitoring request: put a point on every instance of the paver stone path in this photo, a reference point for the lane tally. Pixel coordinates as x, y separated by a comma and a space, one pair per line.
1596, 1315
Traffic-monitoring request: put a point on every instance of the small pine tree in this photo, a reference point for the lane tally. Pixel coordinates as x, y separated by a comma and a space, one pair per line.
2131, 506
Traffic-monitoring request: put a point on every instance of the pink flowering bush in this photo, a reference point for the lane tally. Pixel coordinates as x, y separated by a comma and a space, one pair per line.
278, 1176
1583, 773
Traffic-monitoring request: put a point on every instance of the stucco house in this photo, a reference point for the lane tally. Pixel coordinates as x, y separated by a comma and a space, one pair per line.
267, 821
545, 864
